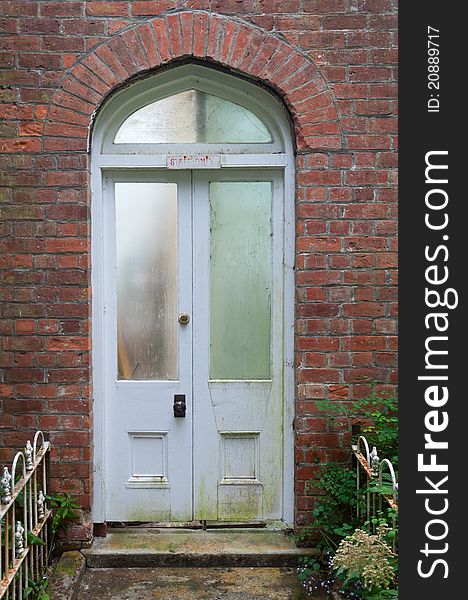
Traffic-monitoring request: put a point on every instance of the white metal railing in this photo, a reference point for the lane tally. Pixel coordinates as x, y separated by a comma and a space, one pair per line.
23, 515
374, 468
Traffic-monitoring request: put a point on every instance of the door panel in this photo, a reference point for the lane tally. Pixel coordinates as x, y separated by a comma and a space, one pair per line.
238, 429
148, 354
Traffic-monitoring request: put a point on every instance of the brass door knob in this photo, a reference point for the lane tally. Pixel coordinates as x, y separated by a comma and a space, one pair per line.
184, 318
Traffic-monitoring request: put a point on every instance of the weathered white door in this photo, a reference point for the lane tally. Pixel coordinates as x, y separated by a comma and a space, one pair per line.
148, 354
207, 244
238, 332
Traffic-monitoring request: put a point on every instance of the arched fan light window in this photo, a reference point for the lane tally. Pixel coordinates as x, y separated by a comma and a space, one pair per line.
192, 104
190, 117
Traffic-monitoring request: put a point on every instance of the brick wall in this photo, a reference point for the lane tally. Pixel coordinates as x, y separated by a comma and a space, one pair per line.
341, 91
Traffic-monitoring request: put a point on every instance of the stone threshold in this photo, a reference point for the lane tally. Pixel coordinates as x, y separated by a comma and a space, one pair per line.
153, 547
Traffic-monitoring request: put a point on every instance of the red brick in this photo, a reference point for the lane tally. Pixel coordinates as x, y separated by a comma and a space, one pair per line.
255, 44
362, 343
322, 39
319, 244
215, 36
297, 23
145, 33
72, 103
21, 375
318, 375
379, 39
200, 30
135, 49
317, 309
99, 68
282, 55
328, 177
364, 374
226, 46
367, 177
350, 90
62, 9
344, 22
120, 50
19, 145
186, 29
161, 35
40, 61
110, 59
317, 343
233, 6
41, 25
75, 87
20, 42
358, 73
150, 7
107, 9
66, 245
364, 309
90, 79
385, 56
62, 344
174, 34
346, 200
63, 44
18, 8
279, 6
369, 142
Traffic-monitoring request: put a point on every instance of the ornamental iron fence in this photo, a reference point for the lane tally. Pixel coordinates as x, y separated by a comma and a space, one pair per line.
381, 482
23, 516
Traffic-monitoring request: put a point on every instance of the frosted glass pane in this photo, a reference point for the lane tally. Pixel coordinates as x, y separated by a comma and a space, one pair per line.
240, 273
146, 244
189, 117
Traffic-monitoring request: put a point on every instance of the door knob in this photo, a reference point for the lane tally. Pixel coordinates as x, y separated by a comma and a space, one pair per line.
183, 318
179, 405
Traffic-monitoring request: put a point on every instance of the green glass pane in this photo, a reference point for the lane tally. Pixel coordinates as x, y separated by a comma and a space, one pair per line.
240, 273
189, 117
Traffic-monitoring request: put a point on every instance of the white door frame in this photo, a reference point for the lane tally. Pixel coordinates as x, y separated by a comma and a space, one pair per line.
157, 160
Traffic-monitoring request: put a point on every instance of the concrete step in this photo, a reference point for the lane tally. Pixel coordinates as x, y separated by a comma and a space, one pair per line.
190, 548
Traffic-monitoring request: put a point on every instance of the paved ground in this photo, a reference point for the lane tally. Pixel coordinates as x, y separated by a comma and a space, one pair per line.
178, 583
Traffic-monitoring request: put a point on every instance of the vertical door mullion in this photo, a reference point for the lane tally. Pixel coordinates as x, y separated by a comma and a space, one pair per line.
206, 468
181, 477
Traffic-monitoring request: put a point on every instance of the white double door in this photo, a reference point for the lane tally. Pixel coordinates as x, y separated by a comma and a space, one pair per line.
193, 318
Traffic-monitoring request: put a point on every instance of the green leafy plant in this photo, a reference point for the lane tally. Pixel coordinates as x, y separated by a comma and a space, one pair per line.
385, 521
377, 416
37, 590
34, 540
64, 509
334, 515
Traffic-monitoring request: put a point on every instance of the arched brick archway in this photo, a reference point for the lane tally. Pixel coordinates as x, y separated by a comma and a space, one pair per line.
157, 42
227, 41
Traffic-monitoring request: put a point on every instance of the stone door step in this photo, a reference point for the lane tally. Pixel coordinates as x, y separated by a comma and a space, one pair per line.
190, 548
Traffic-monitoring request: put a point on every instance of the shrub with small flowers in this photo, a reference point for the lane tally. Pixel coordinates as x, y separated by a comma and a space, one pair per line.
366, 558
